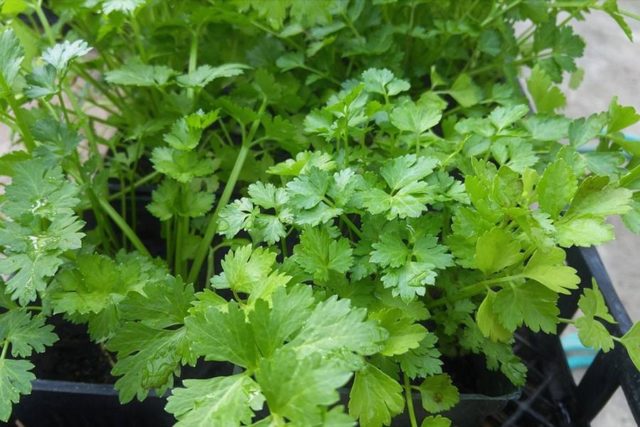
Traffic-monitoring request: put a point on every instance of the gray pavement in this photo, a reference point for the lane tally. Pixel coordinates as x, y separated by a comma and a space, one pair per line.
611, 65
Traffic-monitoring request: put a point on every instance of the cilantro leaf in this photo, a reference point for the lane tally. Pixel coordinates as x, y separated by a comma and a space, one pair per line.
25, 333
15, 379
375, 397
422, 361
408, 193
436, 421
172, 199
186, 132
438, 393
148, 358
547, 268
205, 74
556, 187
415, 118
300, 389
531, 304
546, 96
223, 336
95, 283
135, 73
383, 81
334, 325
11, 56
124, 6
321, 253
216, 401
593, 334
41, 82
250, 271
404, 334
61, 54
183, 166
592, 304
496, 250
631, 341
488, 321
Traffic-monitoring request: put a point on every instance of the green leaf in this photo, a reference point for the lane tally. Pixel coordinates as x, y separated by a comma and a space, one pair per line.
124, 6
321, 253
547, 268
436, 421
186, 132
275, 324
489, 322
300, 389
250, 271
438, 393
593, 334
597, 199
172, 199
41, 82
228, 401
15, 379
547, 97
503, 117
148, 358
61, 54
135, 73
465, 91
415, 118
592, 304
225, 337
95, 283
583, 232
11, 56
336, 326
631, 341
375, 397
383, 81
585, 129
556, 187
183, 166
408, 193
404, 334
25, 333
205, 74
530, 304
620, 117
496, 250
422, 361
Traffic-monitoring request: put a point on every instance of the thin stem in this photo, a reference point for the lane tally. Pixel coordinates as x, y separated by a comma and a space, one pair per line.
45, 22
409, 399
122, 224
351, 226
27, 138
135, 185
473, 290
5, 347
212, 226
630, 176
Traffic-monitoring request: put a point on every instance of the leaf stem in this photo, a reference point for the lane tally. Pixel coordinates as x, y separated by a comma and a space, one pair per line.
122, 224
212, 226
45, 22
473, 290
409, 399
630, 176
135, 185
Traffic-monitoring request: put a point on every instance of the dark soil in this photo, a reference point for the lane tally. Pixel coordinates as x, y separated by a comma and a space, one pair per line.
73, 357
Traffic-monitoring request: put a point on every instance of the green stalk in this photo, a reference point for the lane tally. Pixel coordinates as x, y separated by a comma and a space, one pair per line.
135, 185
27, 138
473, 290
45, 23
212, 227
124, 227
630, 176
182, 225
5, 347
409, 399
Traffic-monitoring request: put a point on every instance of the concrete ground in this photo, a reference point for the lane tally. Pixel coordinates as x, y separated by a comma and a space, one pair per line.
611, 65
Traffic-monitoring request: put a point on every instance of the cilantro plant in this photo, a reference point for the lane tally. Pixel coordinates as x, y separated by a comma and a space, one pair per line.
342, 196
